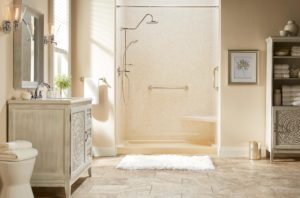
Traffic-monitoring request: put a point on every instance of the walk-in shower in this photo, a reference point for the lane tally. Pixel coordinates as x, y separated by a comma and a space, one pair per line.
172, 106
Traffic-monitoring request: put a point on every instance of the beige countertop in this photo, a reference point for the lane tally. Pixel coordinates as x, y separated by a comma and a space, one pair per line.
72, 100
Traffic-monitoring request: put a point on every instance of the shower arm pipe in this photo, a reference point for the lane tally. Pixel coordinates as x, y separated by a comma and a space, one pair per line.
136, 27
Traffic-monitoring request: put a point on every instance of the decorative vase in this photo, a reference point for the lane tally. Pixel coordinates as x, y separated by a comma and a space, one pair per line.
294, 72
277, 97
292, 28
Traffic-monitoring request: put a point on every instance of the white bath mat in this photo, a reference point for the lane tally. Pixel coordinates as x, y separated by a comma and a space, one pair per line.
170, 162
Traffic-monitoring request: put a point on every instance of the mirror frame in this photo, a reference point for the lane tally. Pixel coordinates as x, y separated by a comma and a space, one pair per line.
39, 56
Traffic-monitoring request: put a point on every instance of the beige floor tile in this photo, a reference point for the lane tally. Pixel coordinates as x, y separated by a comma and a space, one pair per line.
232, 178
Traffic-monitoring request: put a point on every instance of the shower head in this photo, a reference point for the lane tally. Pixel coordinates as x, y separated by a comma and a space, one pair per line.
152, 22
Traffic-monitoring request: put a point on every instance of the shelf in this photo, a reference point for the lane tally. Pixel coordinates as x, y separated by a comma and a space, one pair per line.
286, 79
284, 39
287, 106
287, 57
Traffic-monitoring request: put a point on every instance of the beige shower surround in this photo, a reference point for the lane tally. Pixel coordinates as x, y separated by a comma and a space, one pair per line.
176, 52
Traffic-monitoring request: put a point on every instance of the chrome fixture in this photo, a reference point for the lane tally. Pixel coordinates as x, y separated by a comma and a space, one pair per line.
152, 21
105, 82
124, 69
50, 39
103, 79
38, 94
124, 59
12, 17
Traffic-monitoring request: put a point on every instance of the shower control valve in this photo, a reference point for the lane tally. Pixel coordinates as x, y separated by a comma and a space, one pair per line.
119, 70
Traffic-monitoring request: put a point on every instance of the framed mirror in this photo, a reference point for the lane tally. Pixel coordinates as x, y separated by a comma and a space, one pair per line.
29, 50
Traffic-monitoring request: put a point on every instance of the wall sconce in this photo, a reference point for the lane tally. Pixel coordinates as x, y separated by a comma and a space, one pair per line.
50, 39
12, 17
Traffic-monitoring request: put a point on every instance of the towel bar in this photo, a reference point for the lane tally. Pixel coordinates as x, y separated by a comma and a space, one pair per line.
102, 79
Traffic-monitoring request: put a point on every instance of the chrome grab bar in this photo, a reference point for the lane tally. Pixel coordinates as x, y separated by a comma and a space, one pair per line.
215, 86
158, 87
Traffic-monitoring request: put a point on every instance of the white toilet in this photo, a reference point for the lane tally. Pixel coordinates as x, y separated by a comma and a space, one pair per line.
15, 176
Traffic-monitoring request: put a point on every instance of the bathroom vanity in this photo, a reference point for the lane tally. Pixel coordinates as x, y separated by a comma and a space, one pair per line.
60, 129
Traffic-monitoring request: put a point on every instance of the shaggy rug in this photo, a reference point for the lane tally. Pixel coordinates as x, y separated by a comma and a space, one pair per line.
166, 162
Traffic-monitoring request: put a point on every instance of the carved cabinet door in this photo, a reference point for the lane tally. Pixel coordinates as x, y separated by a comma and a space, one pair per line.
286, 124
77, 139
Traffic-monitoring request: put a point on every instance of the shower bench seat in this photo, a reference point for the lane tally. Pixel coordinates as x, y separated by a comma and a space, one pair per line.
212, 119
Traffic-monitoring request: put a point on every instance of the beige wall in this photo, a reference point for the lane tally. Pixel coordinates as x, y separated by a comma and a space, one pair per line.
6, 48
245, 24
6, 65
93, 41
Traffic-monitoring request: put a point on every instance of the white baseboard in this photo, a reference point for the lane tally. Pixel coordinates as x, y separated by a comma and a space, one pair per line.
236, 151
104, 151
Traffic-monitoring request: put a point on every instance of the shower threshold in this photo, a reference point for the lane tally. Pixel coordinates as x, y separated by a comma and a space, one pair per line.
165, 147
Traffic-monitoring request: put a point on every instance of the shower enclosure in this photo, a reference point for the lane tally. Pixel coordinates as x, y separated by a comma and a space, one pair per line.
167, 94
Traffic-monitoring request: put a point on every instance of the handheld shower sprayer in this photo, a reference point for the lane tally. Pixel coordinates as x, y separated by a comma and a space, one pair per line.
131, 43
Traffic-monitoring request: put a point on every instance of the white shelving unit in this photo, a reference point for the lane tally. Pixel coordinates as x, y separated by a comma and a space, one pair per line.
282, 122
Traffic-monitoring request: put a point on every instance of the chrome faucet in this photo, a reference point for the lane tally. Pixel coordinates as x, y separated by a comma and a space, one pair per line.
38, 94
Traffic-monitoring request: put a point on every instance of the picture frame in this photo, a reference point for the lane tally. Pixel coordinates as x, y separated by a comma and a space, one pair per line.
243, 66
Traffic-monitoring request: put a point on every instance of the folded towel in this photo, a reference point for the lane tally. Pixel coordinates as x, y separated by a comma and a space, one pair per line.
18, 154
284, 66
287, 103
290, 88
281, 75
291, 94
295, 54
290, 100
296, 103
290, 97
18, 144
281, 65
289, 91
281, 71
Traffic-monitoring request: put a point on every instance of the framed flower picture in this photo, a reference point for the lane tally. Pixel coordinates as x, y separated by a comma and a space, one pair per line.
243, 65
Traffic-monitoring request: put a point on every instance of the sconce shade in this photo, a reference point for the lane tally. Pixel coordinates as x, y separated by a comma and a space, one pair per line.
11, 17
7, 12
17, 14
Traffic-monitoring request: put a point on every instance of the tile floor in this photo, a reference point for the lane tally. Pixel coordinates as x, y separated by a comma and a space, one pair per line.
232, 178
